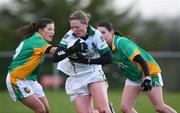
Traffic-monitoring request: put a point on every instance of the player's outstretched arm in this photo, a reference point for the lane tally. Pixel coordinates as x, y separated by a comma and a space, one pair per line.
102, 60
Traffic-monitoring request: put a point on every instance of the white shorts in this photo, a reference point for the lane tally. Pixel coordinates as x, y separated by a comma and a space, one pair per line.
156, 81
78, 85
23, 88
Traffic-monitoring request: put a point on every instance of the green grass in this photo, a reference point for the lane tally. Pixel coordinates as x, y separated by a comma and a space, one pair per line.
59, 102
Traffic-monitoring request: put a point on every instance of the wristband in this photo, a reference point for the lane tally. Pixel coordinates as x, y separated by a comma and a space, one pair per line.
148, 77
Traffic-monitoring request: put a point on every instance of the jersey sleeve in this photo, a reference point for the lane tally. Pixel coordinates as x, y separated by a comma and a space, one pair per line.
66, 38
64, 43
128, 48
101, 43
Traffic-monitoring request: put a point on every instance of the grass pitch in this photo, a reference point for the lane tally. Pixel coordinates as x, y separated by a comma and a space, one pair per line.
59, 102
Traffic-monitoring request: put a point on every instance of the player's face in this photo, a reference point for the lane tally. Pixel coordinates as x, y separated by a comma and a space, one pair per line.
79, 29
48, 32
106, 34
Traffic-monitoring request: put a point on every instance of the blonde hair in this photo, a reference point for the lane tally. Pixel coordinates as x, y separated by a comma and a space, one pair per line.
81, 16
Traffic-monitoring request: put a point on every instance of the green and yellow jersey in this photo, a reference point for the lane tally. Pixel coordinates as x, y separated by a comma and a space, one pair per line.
27, 58
123, 53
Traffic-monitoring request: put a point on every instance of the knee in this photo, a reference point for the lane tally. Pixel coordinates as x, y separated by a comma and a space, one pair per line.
160, 108
124, 108
47, 111
104, 109
41, 110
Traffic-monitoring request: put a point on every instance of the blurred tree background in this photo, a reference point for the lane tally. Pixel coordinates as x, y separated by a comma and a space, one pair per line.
153, 35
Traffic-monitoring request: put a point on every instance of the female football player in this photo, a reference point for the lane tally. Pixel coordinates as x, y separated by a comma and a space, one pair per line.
86, 77
142, 71
23, 71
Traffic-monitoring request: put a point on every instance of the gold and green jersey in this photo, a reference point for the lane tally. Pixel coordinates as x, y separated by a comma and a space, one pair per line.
27, 58
123, 53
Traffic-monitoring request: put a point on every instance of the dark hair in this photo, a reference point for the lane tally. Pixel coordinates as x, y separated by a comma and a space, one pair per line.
108, 25
105, 23
28, 30
80, 15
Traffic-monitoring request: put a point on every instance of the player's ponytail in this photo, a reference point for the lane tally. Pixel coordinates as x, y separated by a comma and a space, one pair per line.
30, 29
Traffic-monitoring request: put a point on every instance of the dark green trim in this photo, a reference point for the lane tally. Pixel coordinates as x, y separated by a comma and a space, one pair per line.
104, 50
18, 93
90, 30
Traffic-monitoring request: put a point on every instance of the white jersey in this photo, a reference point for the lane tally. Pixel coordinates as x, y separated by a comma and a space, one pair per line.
96, 46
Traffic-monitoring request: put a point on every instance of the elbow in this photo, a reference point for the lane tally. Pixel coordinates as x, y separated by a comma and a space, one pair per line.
55, 61
56, 58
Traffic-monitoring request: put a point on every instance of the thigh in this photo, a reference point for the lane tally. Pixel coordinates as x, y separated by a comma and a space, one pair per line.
83, 104
98, 90
75, 87
37, 89
129, 95
155, 96
38, 92
45, 103
20, 90
33, 102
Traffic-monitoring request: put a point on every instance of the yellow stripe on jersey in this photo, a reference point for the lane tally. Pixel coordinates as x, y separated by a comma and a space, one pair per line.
13, 80
153, 68
137, 52
21, 72
113, 46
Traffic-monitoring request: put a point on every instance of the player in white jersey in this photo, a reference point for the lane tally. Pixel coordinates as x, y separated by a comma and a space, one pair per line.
86, 78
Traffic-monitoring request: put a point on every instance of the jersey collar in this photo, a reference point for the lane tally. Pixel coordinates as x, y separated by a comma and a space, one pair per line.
39, 35
113, 44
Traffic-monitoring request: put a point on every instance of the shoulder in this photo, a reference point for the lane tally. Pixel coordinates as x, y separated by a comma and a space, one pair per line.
120, 39
36, 40
97, 33
68, 36
92, 31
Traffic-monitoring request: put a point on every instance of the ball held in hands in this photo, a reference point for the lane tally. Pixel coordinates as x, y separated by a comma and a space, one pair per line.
77, 46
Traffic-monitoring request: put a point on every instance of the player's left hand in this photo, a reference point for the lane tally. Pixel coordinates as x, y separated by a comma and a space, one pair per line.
79, 46
146, 85
80, 59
